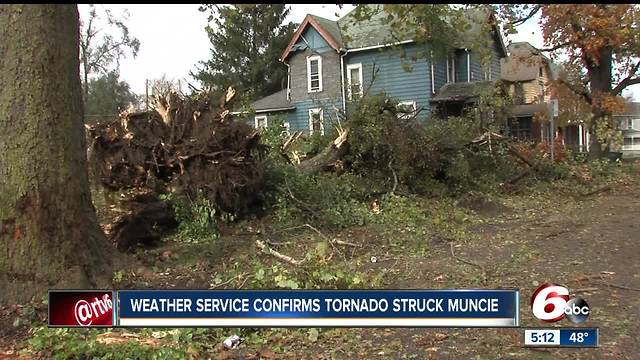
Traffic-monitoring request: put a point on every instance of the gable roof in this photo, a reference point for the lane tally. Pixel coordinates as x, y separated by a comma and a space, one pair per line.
375, 32
523, 63
276, 101
476, 18
348, 33
365, 33
331, 27
326, 28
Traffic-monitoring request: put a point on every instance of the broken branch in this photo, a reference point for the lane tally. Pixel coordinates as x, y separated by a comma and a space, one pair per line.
268, 250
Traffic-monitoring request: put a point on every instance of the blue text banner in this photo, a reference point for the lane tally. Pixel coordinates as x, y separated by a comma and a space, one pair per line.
318, 308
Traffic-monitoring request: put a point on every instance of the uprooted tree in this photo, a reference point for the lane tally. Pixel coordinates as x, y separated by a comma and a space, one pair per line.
49, 235
184, 144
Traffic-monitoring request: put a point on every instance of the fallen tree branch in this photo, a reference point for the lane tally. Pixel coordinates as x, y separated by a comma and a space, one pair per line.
328, 156
596, 191
268, 250
395, 177
229, 281
278, 243
586, 290
340, 242
465, 261
618, 286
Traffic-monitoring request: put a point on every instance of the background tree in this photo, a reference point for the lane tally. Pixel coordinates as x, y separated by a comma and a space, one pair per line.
602, 40
247, 41
163, 85
572, 108
49, 235
107, 96
100, 49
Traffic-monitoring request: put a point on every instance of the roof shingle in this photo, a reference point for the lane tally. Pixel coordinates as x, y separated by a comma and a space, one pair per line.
274, 101
462, 91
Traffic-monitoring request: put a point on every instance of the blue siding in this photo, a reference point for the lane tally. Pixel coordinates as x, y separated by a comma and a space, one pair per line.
330, 108
391, 76
314, 40
477, 70
440, 72
287, 116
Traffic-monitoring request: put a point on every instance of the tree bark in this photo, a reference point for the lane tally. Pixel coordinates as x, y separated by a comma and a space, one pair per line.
600, 83
328, 157
49, 235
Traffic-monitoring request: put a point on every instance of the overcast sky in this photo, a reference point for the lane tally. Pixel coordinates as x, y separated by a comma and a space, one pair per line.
173, 39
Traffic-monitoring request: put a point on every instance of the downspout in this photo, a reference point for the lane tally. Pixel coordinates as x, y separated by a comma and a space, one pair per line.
344, 98
288, 81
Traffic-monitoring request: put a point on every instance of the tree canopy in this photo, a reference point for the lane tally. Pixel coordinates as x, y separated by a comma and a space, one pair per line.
246, 42
100, 48
107, 96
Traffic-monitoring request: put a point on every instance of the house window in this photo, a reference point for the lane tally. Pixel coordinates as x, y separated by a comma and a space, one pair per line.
631, 143
260, 122
540, 71
354, 79
316, 121
287, 128
314, 74
520, 128
406, 109
451, 68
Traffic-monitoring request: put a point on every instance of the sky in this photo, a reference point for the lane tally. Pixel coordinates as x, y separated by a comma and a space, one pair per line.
173, 40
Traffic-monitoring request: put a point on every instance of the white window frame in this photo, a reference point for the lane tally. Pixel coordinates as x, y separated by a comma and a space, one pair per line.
412, 103
311, 112
309, 60
451, 58
256, 122
349, 68
633, 145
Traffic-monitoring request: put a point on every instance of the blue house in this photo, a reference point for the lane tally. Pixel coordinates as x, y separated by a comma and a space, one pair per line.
331, 63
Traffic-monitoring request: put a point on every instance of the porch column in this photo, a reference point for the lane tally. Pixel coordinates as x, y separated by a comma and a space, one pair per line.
587, 140
580, 139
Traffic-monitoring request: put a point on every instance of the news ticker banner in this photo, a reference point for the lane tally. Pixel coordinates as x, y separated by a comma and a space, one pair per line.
565, 337
285, 308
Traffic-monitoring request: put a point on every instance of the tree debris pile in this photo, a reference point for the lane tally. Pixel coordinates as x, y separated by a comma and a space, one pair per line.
184, 143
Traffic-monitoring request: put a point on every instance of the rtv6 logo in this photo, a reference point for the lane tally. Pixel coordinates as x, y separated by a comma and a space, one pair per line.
550, 303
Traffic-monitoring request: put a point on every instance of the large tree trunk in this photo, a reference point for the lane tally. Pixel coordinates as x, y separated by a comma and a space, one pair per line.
600, 83
49, 235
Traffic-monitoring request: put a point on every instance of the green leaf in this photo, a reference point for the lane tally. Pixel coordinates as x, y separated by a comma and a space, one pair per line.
313, 334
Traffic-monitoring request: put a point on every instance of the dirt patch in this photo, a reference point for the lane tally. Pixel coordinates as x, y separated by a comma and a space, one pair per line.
484, 206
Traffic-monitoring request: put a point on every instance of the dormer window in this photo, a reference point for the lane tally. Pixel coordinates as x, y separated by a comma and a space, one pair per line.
314, 74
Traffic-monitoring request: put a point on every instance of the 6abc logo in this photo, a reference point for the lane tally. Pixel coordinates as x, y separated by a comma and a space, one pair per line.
550, 302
